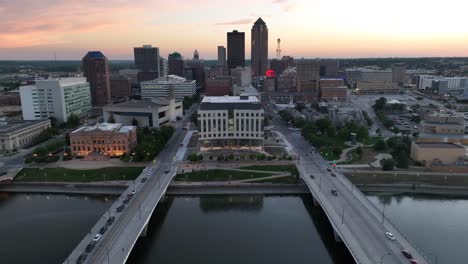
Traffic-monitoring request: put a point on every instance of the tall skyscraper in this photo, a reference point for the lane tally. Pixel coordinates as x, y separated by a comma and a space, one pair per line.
235, 49
176, 64
221, 56
259, 45
96, 71
308, 76
399, 73
147, 59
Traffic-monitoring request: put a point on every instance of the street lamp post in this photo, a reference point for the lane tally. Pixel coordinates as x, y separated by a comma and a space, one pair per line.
383, 213
383, 256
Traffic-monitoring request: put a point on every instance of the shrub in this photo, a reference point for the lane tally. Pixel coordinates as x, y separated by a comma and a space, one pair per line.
387, 164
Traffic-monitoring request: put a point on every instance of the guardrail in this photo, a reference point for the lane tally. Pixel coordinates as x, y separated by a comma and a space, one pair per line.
332, 222
361, 196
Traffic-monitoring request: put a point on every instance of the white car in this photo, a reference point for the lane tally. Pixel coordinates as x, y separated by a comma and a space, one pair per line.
389, 235
133, 191
97, 237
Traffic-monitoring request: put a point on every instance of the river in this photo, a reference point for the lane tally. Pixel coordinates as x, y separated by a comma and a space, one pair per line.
224, 229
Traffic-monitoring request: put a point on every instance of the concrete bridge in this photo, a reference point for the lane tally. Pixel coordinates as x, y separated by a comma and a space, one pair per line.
356, 222
117, 242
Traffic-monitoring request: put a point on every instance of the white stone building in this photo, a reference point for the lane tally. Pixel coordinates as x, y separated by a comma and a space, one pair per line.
147, 113
231, 120
57, 98
18, 134
168, 86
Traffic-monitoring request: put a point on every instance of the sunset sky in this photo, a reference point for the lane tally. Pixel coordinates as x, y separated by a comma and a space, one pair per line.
35, 29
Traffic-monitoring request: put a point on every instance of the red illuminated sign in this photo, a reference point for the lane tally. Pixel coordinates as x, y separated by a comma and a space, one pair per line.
270, 73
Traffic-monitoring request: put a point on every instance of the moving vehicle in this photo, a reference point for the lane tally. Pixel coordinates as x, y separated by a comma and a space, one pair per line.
81, 258
167, 171
334, 192
103, 229
90, 247
312, 176
110, 220
120, 208
333, 174
328, 169
97, 237
406, 254
389, 235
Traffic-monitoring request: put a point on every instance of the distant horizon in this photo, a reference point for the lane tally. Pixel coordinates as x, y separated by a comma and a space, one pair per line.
295, 58
35, 30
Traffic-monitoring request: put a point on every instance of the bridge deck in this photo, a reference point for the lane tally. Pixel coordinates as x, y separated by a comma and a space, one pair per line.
117, 242
360, 224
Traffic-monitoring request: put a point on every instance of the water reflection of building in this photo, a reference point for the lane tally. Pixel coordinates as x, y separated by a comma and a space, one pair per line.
229, 203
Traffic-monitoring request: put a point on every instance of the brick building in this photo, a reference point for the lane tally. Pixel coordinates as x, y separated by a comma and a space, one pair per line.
105, 140
120, 86
338, 93
218, 86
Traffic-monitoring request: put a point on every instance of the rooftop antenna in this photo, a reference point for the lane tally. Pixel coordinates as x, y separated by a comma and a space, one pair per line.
278, 49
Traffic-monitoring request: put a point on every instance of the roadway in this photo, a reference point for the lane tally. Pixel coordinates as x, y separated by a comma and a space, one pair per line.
359, 224
116, 243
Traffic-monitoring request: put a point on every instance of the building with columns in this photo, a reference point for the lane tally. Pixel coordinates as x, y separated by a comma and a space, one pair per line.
103, 140
231, 120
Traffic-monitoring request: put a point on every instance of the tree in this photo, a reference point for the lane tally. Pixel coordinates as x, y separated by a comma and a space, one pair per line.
111, 119
380, 145
53, 121
134, 122
323, 124
220, 158
73, 120
193, 157
359, 151
387, 164
402, 160
380, 103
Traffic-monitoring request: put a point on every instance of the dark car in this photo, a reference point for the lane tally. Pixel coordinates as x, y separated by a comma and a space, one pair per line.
328, 169
120, 208
110, 220
81, 258
90, 246
333, 174
143, 180
130, 195
103, 230
312, 176
334, 192
406, 254
126, 200
167, 171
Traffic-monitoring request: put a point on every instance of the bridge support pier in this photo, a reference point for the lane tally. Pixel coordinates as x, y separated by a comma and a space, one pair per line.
337, 236
316, 203
144, 231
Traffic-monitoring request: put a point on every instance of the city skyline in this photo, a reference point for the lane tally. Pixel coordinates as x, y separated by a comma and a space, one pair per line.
328, 29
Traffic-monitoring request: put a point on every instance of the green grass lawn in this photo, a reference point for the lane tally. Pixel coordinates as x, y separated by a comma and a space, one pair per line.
69, 175
286, 179
289, 168
219, 175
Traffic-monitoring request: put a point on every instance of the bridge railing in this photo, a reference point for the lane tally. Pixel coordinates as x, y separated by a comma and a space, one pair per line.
346, 182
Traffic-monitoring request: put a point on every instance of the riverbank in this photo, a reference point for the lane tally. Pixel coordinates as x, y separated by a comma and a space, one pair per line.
176, 188
409, 188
